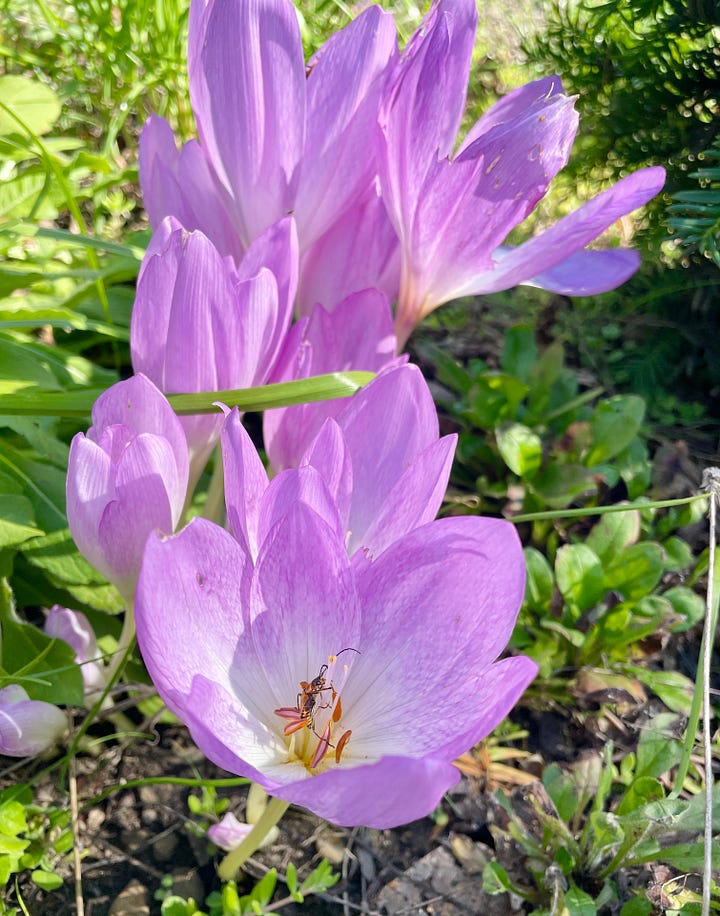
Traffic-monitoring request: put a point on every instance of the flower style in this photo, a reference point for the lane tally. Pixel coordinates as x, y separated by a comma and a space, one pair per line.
28, 727
321, 678
201, 324
452, 211
126, 477
74, 628
370, 503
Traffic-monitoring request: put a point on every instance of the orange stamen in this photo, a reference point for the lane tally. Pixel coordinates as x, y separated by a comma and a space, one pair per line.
341, 745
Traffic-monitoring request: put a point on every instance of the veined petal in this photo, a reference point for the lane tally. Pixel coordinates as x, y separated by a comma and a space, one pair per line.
360, 250
344, 88
570, 234
182, 184
27, 727
245, 482
192, 608
588, 272
393, 791
304, 603
247, 86
329, 455
439, 605
413, 501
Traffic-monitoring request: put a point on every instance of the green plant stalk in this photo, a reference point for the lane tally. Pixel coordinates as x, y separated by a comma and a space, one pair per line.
235, 858
604, 510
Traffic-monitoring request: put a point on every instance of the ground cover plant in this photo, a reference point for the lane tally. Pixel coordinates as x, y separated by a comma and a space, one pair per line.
455, 625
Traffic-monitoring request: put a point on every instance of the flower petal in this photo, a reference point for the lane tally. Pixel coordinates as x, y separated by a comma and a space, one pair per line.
245, 482
588, 272
247, 86
28, 727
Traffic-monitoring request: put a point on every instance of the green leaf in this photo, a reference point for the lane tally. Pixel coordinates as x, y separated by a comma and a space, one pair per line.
558, 485
678, 554
540, 580
496, 880
642, 790
613, 533
17, 520
689, 606
46, 667
614, 425
519, 352
658, 751
579, 903
562, 790
33, 102
24, 194
580, 577
12, 818
46, 880
265, 888
636, 571
638, 906
520, 448
673, 688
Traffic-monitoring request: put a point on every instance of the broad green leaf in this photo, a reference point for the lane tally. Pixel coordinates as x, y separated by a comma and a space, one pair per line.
494, 397
558, 485
613, 533
45, 667
614, 425
540, 580
658, 751
495, 879
673, 688
17, 520
47, 880
42, 483
579, 902
642, 790
37, 106
19, 196
519, 352
687, 604
12, 818
580, 577
20, 368
678, 554
562, 790
634, 467
520, 448
636, 571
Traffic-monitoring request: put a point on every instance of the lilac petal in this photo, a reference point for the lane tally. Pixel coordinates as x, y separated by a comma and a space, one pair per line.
304, 602
329, 455
141, 505
512, 106
588, 272
570, 234
191, 606
357, 334
344, 87
28, 727
294, 485
439, 605
425, 102
183, 185
229, 832
74, 628
359, 250
399, 403
137, 404
413, 501
392, 792
249, 338
277, 250
247, 85
245, 482
89, 487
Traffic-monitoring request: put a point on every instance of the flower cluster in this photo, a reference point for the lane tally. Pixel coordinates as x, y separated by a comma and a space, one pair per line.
334, 641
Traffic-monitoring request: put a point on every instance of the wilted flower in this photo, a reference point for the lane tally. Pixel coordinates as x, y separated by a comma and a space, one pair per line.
74, 628
28, 727
201, 324
323, 676
375, 493
126, 477
452, 210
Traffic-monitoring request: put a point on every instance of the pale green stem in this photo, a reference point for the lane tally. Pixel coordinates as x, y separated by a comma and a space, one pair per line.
127, 635
235, 858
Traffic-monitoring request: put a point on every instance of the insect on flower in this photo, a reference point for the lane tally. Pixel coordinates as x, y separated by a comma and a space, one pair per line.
307, 707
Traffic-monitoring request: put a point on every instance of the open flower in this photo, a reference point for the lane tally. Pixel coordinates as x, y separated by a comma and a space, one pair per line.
452, 209
126, 477
322, 679
28, 727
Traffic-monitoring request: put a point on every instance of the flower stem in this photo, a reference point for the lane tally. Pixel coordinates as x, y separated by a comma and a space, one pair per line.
235, 858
